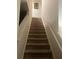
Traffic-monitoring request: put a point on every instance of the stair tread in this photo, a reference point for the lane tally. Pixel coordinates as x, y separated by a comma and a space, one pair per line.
37, 55
37, 51
37, 47
37, 34
37, 38
37, 31
38, 58
37, 43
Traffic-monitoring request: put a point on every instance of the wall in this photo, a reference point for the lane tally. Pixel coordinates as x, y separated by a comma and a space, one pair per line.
59, 18
50, 21
23, 31
18, 12
36, 12
23, 10
50, 12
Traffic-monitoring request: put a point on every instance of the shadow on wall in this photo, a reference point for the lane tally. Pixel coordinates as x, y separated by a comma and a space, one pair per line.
23, 11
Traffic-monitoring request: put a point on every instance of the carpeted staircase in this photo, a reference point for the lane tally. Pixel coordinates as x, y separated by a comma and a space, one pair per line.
37, 46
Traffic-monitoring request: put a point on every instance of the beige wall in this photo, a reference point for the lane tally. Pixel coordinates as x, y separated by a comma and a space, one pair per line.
59, 18
50, 21
18, 10
50, 12
23, 31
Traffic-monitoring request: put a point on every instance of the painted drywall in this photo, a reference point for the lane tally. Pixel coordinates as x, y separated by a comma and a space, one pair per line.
50, 20
50, 13
24, 10
36, 12
59, 18
23, 31
18, 12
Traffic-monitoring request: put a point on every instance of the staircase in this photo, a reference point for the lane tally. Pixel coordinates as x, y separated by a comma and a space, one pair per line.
37, 46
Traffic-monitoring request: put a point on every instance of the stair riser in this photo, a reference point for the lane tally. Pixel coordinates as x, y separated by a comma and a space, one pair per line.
37, 24
37, 33
37, 47
39, 30
37, 55
37, 58
37, 41
37, 27
37, 36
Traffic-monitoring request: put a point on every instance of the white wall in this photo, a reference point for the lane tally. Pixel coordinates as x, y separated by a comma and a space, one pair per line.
18, 12
50, 20
50, 13
36, 12
59, 18
23, 31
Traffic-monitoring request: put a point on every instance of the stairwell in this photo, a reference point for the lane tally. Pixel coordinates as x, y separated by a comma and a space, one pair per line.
37, 46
